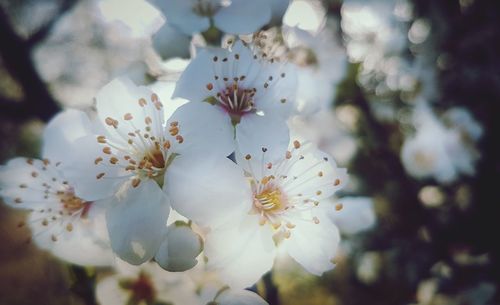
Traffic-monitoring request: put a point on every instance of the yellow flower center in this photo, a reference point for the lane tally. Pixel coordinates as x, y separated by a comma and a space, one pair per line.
270, 200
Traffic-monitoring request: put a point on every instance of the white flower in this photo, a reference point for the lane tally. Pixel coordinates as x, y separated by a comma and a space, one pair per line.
270, 199
437, 151
129, 156
70, 227
152, 285
255, 93
179, 249
354, 215
234, 17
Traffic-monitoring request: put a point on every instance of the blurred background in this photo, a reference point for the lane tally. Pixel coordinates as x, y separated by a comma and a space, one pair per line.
412, 103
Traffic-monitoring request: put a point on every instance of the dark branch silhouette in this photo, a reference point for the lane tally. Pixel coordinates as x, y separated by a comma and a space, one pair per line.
16, 57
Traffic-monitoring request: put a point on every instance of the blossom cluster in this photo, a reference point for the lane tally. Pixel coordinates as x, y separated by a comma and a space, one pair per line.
200, 173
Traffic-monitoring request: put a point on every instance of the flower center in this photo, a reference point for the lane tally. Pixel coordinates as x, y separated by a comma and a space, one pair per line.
141, 289
424, 159
269, 200
236, 101
72, 204
144, 153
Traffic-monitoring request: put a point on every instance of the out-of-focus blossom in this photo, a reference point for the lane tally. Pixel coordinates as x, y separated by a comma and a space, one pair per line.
145, 284
254, 93
376, 36
128, 155
372, 29
462, 120
70, 227
321, 65
270, 199
139, 17
354, 215
150, 284
233, 17
369, 267
438, 151
99, 51
307, 15
326, 131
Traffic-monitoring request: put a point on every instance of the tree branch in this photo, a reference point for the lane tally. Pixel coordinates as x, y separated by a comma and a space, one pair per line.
16, 55
46, 29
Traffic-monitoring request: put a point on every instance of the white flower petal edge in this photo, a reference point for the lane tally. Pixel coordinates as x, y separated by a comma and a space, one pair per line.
207, 190
61, 133
241, 251
137, 221
179, 248
243, 17
87, 244
356, 215
314, 244
239, 297
70, 227
205, 131
255, 132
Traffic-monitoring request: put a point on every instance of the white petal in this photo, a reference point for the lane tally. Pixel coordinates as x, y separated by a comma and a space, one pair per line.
207, 190
241, 251
121, 97
170, 42
83, 173
192, 84
240, 297
179, 248
165, 90
243, 17
204, 130
137, 221
256, 132
279, 96
87, 244
62, 131
181, 14
313, 245
357, 214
